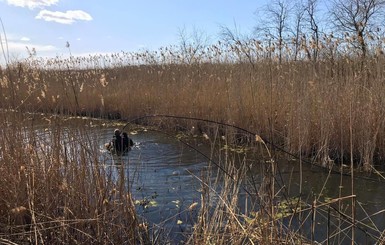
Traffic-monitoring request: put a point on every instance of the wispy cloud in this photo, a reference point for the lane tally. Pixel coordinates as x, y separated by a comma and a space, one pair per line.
25, 39
21, 47
32, 4
67, 17
18, 45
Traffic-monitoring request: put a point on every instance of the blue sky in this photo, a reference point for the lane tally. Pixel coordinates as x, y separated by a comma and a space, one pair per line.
100, 26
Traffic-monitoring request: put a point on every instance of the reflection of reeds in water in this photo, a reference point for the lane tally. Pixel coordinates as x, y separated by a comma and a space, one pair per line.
268, 214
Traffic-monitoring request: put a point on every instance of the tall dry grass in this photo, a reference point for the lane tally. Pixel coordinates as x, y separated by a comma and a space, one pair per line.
305, 105
55, 190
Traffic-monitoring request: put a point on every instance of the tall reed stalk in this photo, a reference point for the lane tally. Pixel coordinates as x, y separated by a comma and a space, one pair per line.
295, 102
55, 189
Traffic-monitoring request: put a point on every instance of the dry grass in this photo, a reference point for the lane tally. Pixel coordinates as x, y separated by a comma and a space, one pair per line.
332, 109
306, 107
55, 190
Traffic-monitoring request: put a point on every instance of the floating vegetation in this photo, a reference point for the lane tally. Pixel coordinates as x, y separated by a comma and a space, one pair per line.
287, 208
235, 148
146, 203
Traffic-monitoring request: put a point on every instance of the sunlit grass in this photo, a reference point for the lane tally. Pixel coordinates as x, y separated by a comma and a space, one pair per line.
332, 110
304, 106
55, 190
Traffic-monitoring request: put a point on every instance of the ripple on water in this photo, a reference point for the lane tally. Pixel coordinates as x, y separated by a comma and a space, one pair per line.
160, 173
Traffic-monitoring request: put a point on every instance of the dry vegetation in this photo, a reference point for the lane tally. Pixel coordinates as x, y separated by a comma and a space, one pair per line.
55, 190
331, 109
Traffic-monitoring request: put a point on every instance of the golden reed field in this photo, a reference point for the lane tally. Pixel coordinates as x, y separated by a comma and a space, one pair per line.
329, 108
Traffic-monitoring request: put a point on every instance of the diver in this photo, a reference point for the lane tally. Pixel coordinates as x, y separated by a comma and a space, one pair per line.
115, 145
120, 143
127, 142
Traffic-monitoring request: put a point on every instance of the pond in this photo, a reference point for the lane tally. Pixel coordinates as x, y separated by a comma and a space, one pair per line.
164, 179
164, 176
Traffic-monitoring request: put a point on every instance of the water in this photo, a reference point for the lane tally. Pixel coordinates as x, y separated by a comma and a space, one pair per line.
163, 176
162, 170
324, 186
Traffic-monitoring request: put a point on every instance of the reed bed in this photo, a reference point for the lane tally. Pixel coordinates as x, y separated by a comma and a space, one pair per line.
331, 109
55, 189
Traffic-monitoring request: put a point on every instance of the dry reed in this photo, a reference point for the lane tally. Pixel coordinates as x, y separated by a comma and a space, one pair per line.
55, 189
331, 109
301, 105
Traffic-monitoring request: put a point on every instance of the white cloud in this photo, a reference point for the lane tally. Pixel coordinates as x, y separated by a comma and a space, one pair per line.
32, 4
21, 47
67, 17
25, 39
15, 48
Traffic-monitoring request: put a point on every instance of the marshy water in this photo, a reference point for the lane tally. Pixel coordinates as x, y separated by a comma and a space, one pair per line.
164, 177
164, 173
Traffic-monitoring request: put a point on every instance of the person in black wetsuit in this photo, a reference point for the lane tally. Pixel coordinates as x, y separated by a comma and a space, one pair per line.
120, 143
116, 145
127, 142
